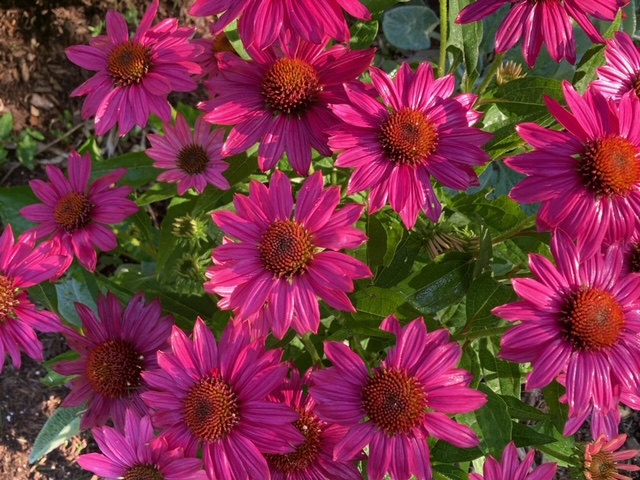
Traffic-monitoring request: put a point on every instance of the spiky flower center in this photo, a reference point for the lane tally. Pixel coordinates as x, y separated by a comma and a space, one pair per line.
610, 166
593, 319
8, 298
114, 367
128, 63
394, 401
211, 409
602, 467
634, 258
408, 137
73, 212
290, 86
143, 472
193, 159
306, 453
286, 248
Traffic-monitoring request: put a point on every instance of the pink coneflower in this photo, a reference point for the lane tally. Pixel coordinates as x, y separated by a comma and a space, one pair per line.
280, 264
396, 408
22, 266
193, 159
281, 99
136, 454
74, 211
417, 132
511, 468
114, 351
135, 75
313, 459
212, 395
211, 47
580, 317
621, 74
587, 177
601, 459
262, 21
548, 22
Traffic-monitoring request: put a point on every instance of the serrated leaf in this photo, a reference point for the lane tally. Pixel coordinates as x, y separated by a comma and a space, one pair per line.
60, 427
524, 95
409, 27
508, 374
494, 423
448, 472
6, 125
484, 294
402, 263
439, 284
363, 34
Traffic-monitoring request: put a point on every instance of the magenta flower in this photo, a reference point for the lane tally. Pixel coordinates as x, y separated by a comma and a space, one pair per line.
212, 395
193, 159
135, 75
587, 177
511, 468
398, 406
280, 264
136, 454
114, 351
548, 22
211, 47
313, 459
581, 318
621, 74
281, 99
22, 266
417, 132
74, 211
262, 21
601, 459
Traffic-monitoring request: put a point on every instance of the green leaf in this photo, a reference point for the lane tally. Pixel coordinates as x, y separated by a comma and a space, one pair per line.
232, 34
559, 411
525, 95
508, 379
465, 40
586, 69
157, 193
240, 167
520, 410
6, 125
439, 284
484, 294
402, 263
494, 422
140, 170
60, 427
409, 27
26, 151
12, 199
363, 34
69, 292
564, 446
53, 378
525, 436
385, 233
444, 452
377, 6
448, 472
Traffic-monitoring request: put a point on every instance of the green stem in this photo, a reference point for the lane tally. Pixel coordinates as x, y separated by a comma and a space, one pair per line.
311, 349
488, 77
555, 454
490, 332
444, 35
521, 229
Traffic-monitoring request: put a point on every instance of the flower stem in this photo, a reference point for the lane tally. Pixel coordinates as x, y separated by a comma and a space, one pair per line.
490, 74
311, 349
444, 35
